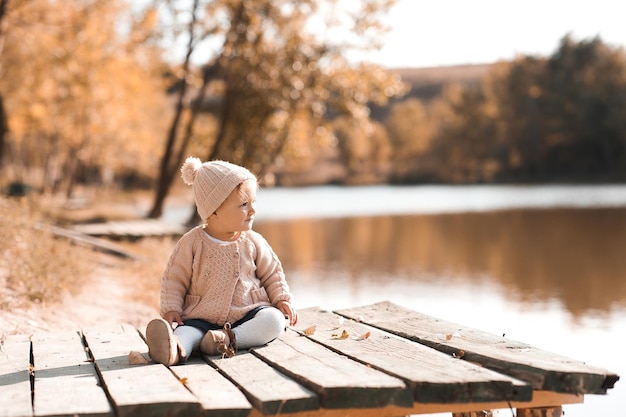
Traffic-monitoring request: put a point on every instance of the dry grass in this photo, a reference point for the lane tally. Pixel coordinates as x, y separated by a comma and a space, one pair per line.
35, 267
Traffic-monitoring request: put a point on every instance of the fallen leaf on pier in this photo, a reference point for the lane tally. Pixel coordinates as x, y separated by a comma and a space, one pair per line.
364, 336
136, 358
183, 381
459, 355
309, 330
451, 335
343, 335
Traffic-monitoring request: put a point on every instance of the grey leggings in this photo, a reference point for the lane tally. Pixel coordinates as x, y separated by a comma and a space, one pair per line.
256, 329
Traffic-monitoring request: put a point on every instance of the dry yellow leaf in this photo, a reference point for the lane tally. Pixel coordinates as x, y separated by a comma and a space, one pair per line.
183, 381
136, 358
449, 336
343, 335
309, 330
364, 336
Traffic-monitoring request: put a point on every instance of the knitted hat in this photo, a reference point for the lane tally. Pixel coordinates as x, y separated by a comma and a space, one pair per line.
212, 182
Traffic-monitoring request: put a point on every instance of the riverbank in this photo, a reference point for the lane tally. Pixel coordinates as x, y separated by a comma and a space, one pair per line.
49, 283
107, 295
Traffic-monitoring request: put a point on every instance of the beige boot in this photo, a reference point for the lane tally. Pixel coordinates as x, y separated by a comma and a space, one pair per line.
163, 346
219, 342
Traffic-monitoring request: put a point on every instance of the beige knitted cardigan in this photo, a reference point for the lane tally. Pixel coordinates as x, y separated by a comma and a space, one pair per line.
220, 283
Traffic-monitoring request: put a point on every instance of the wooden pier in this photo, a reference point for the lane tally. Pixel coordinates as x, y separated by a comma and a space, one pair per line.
98, 235
375, 360
130, 229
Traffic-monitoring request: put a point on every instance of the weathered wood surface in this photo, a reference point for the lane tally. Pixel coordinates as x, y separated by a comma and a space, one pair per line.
131, 228
214, 391
339, 381
99, 244
431, 375
15, 370
267, 389
543, 370
66, 382
325, 373
144, 390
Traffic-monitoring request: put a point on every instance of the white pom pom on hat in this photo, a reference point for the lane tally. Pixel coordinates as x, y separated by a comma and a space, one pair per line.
189, 169
212, 182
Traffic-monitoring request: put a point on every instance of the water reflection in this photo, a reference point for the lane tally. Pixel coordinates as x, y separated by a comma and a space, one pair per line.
573, 255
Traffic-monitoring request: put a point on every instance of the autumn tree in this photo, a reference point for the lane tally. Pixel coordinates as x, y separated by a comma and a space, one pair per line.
562, 116
464, 146
513, 95
273, 65
81, 92
534, 119
411, 126
583, 98
180, 130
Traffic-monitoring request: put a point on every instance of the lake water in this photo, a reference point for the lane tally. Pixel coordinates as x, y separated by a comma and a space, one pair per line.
544, 265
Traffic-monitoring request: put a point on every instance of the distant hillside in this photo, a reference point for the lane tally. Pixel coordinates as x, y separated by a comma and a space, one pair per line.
427, 83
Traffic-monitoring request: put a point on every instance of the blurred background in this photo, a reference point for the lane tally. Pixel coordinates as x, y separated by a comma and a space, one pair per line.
465, 159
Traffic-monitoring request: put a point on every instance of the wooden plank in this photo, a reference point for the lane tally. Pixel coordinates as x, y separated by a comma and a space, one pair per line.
541, 412
433, 376
267, 389
544, 370
540, 399
99, 244
130, 228
66, 382
15, 387
117, 229
338, 381
217, 395
137, 390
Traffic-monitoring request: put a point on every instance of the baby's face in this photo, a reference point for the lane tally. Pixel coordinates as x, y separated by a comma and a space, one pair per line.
237, 212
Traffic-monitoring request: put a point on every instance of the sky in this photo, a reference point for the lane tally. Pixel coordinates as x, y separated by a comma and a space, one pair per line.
430, 33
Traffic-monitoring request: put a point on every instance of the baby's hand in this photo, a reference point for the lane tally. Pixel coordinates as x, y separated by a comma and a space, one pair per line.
286, 308
173, 317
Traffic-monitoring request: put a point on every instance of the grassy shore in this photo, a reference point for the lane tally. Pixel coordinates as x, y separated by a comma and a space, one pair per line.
43, 276
34, 266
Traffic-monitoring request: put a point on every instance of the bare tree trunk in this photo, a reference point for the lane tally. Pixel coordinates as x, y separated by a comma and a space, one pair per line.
4, 125
169, 163
70, 171
194, 219
4, 130
208, 74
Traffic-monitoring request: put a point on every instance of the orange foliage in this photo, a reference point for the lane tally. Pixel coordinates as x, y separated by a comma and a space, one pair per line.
80, 93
